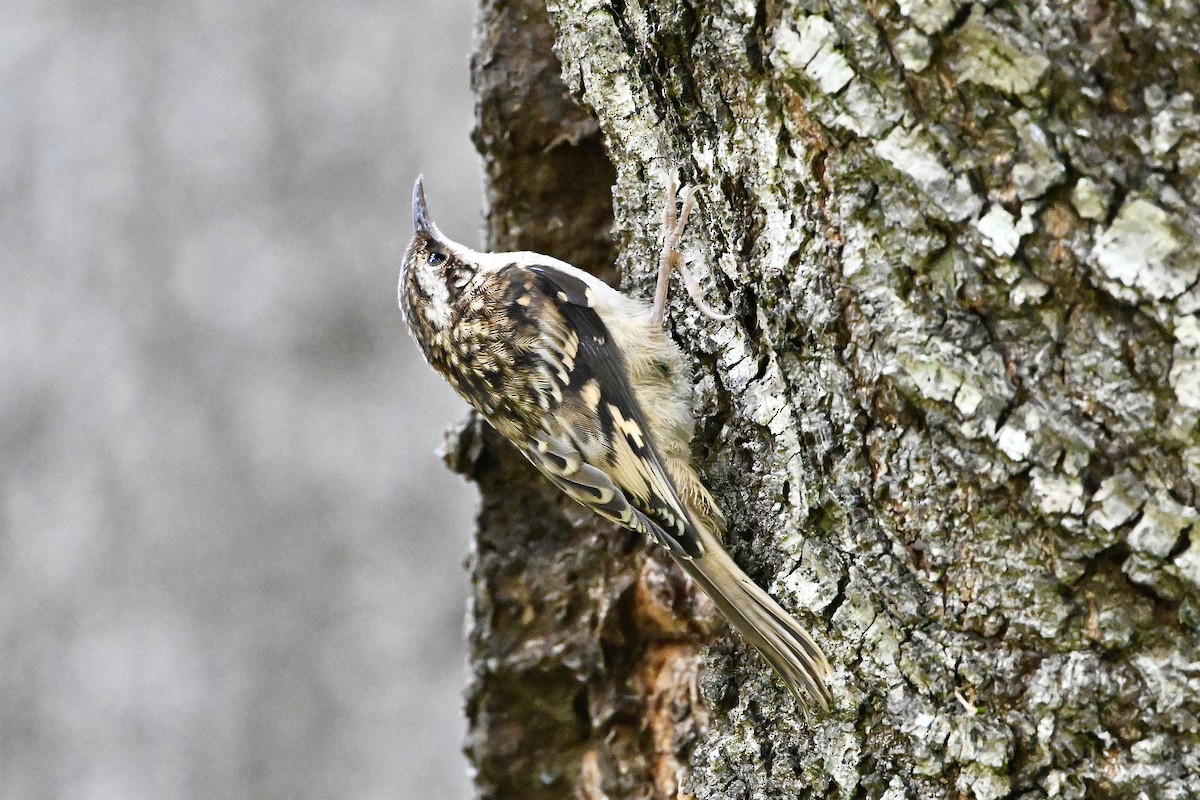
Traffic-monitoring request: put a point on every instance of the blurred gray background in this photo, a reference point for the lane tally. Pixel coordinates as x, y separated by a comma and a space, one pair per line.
230, 561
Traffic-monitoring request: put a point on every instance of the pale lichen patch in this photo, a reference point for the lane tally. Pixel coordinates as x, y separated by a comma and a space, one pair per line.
865, 111
809, 45
1187, 331
1028, 290
841, 761
1089, 201
1185, 382
738, 369
1039, 167
1171, 124
967, 398
998, 57
1162, 523
1058, 494
812, 584
927, 732
1118, 499
930, 16
1002, 231
983, 783
984, 749
1135, 252
1170, 677
1184, 376
932, 378
913, 50
767, 409
1187, 564
1014, 442
911, 151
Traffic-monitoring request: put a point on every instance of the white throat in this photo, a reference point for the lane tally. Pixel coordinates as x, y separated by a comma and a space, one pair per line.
433, 284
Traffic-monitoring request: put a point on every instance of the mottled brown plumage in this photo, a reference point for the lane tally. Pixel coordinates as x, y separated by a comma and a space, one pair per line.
585, 382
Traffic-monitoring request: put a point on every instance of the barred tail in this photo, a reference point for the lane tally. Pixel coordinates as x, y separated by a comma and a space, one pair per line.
763, 623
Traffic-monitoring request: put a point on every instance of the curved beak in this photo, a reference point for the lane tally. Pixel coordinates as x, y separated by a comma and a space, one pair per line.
422, 224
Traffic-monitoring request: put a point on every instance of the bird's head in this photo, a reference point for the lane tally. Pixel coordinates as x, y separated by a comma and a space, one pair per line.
434, 271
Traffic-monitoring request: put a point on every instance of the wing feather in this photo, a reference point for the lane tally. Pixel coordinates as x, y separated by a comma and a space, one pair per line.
596, 446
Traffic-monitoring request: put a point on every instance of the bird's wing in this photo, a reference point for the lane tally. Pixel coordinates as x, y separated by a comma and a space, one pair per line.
595, 444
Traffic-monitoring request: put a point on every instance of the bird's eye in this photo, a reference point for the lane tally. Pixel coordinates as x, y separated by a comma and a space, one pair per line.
436, 258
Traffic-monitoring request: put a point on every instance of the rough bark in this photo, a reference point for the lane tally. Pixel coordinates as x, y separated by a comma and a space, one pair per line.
953, 421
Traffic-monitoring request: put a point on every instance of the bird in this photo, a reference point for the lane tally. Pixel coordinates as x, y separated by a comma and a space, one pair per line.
585, 382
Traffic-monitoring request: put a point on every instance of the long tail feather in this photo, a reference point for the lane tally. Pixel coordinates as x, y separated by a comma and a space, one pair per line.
763, 623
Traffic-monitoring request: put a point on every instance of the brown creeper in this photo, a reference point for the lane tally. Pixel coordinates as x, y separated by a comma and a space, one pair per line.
586, 383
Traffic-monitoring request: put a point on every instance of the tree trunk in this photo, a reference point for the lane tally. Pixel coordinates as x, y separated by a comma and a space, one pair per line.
953, 422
